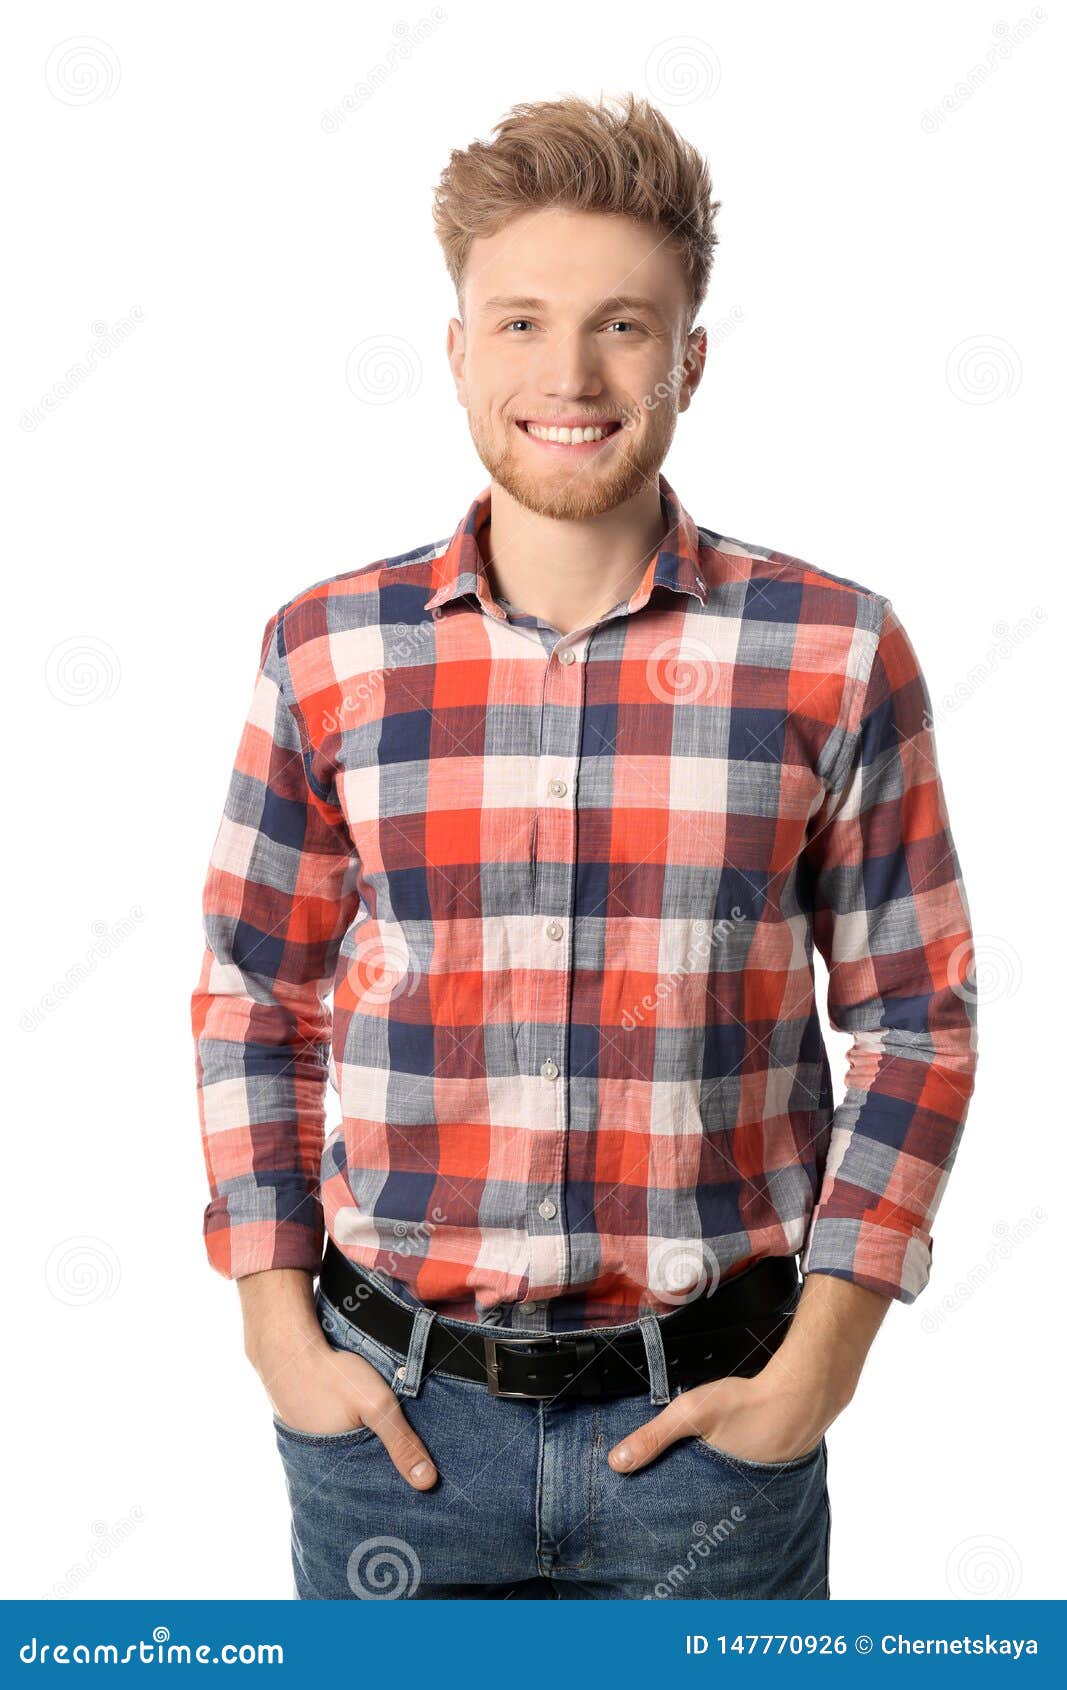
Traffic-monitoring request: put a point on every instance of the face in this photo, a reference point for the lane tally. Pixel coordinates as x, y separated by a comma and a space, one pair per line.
574, 319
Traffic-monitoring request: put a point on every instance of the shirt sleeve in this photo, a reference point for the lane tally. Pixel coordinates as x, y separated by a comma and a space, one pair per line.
891, 919
278, 900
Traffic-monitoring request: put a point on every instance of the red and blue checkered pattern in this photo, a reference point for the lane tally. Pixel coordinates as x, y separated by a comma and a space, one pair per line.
565, 892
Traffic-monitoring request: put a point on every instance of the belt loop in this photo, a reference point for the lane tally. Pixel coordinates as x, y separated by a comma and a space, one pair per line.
657, 1361
410, 1375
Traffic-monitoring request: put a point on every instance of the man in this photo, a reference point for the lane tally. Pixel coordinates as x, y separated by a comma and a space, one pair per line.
559, 807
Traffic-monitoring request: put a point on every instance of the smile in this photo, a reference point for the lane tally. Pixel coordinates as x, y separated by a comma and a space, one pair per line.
580, 438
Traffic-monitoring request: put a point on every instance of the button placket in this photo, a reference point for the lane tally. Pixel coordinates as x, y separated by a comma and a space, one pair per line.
555, 871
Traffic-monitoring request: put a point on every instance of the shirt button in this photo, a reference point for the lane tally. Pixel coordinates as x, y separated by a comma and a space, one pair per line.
546, 1208
567, 655
554, 929
549, 1070
558, 788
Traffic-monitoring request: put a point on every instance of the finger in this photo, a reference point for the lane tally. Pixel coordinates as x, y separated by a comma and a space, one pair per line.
407, 1452
644, 1443
379, 1409
686, 1416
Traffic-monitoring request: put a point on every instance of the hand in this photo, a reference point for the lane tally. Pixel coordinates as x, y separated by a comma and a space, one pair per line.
328, 1390
783, 1411
315, 1388
741, 1417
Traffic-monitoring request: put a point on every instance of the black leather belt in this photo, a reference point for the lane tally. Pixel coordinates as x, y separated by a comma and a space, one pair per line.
733, 1331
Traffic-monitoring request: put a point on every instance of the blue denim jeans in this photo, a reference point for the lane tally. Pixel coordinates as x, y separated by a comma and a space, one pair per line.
525, 1505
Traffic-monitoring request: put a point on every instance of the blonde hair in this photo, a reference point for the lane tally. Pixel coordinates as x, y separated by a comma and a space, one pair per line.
583, 157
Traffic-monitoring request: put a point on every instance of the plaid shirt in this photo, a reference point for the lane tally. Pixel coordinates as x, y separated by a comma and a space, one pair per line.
565, 891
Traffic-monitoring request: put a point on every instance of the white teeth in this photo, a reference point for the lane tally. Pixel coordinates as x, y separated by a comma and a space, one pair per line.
565, 436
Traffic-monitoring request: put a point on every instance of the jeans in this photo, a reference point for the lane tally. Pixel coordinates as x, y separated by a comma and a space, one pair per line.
525, 1505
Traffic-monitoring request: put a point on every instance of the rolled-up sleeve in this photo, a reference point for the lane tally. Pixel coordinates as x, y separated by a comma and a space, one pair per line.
278, 900
891, 919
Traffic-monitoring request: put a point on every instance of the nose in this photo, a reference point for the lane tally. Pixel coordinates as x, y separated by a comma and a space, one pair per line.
569, 369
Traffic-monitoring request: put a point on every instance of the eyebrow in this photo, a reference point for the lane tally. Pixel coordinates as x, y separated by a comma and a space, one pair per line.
615, 302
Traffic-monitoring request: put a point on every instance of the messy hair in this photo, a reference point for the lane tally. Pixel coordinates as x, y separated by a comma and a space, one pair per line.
622, 157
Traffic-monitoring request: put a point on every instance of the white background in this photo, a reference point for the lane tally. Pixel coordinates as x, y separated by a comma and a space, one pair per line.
882, 400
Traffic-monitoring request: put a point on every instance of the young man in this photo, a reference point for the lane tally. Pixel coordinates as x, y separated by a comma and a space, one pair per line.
559, 808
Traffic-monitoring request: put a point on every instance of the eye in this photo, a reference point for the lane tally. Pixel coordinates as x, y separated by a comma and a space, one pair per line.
622, 323
515, 320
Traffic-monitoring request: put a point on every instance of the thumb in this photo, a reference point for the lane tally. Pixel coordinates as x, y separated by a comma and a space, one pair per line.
644, 1443
407, 1452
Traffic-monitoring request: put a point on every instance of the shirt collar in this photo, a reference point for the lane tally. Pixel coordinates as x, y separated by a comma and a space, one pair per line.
460, 568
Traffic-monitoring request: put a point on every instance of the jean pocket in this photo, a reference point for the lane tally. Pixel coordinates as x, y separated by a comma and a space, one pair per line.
742, 1463
322, 1440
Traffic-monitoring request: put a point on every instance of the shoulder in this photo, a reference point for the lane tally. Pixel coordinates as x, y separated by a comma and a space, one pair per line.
764, 584
388, 590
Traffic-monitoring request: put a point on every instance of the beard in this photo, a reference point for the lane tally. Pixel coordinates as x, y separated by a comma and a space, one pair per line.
586, 489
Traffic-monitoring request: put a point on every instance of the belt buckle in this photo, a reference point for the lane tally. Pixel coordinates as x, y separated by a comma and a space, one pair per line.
492, 1364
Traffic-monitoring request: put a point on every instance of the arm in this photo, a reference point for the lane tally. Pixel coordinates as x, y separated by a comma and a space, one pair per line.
279, 898
277, 902
890, 917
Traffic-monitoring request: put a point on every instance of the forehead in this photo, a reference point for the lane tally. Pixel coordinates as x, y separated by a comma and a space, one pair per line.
571, 260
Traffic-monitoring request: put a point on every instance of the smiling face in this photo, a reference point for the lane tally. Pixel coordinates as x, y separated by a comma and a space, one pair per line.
574, 321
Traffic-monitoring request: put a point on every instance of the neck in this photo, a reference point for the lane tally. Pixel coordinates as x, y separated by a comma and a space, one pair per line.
570, 572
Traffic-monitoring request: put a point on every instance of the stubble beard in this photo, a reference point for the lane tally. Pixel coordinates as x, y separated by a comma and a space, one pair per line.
588, 489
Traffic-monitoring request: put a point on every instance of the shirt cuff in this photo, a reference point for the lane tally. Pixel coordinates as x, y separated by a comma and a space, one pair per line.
236, 1248
895, 1264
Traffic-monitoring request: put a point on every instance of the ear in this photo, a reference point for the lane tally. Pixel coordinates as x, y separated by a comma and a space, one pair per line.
456, 352
695, 355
